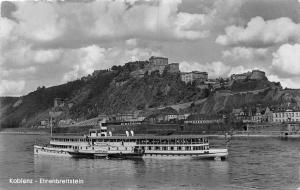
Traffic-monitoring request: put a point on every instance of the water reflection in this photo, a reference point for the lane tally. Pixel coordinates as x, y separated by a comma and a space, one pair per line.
135, 173
262, 163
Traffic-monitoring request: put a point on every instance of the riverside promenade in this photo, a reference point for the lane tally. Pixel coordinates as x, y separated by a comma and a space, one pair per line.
220, 134
281, 134
25, 131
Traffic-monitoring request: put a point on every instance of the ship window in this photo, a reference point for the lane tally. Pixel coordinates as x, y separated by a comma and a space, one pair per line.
188, 141
172, 148
157, 148
187, 148
165, 148
194, 148
179, 148
149, 148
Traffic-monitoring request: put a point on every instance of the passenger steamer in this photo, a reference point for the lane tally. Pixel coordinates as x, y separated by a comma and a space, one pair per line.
99, 143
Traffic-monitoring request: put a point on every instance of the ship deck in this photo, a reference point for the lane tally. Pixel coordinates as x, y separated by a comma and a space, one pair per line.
136, 137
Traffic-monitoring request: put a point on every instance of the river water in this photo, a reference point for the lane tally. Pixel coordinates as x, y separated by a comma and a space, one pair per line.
253, 163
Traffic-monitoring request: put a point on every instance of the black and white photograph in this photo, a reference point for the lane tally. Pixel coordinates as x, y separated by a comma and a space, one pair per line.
150, 94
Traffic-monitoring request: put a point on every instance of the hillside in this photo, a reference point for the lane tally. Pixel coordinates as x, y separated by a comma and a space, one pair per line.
100, 93
116, 91
267, 97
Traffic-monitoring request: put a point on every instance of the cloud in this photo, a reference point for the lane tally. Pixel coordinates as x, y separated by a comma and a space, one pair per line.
238, 70
43, 56
20, 54
161, 21
47, 43
285, 82
45, 21
39, 21
286, 60
6, 27
17, 72
185, 23
86, 60
214, 69
261, 33
241, 53
132, 42
11, 88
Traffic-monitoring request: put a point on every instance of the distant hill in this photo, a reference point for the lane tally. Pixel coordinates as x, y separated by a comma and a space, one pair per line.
116, 91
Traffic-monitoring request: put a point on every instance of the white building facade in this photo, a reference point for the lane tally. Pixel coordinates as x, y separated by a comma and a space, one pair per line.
194, 75
286, 116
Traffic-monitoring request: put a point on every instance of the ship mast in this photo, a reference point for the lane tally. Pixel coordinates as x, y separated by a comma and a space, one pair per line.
51, 125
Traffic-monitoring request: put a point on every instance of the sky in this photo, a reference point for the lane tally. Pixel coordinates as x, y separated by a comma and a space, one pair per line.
47, 43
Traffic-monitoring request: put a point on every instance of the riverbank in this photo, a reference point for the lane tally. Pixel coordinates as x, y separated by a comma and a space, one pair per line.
25, 131
210, 135
217, 134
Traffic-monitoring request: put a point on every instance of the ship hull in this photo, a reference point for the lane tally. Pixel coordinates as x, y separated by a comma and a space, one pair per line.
212, 154
41, 150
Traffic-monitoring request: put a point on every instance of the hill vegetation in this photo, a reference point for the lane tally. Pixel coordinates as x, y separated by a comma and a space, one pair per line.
116, 91
99, 93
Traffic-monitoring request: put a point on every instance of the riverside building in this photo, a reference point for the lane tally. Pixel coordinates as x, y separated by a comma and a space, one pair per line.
286, 116
194, 75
